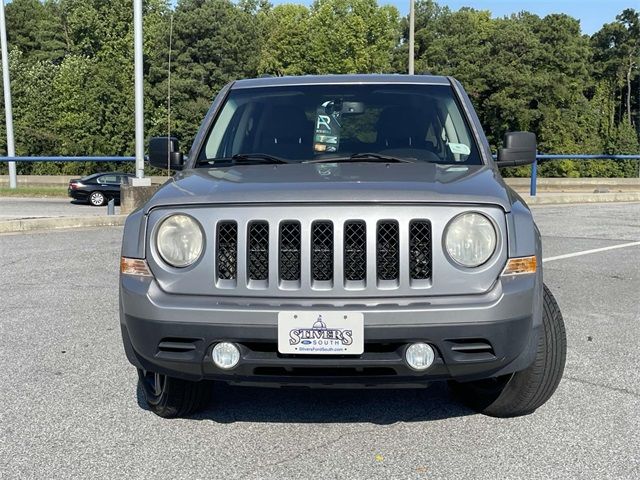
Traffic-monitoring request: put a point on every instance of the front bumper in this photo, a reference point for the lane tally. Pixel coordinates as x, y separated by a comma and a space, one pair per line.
475, 337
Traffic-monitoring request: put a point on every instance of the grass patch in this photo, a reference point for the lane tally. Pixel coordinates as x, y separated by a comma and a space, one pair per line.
33, 191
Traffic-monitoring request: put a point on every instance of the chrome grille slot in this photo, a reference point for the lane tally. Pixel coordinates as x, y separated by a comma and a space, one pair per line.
420, 250
388, 252
290, 245
227, 250
322, 251
258, 251
355, 251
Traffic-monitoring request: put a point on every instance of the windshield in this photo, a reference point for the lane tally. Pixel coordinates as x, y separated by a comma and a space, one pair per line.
302, 123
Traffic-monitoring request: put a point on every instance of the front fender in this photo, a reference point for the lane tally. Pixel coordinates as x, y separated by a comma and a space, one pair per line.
524, 240
133, 237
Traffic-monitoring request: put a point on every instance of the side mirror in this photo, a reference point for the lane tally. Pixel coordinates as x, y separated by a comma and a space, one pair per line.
520, 148
163, 153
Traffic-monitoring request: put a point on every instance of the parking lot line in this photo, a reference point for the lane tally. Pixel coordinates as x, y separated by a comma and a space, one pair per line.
588, 252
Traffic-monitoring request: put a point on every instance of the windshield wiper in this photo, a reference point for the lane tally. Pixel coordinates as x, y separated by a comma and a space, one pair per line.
260, 157
364, 156
249, 159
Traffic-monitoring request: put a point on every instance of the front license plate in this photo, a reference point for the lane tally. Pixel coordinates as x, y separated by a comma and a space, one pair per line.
321, 333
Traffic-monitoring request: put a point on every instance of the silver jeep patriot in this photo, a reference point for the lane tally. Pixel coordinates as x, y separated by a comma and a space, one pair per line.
339, 231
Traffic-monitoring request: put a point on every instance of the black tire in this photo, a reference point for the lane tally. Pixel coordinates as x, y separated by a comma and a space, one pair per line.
97, 199
170, 397
523, 392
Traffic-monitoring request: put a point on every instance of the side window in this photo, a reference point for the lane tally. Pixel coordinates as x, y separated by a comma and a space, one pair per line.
213, 147
108, 179
457, 140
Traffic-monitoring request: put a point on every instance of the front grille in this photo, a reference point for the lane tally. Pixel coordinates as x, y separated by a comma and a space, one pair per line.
227, 256
317, 246
355, 251
322, 251
420, 250
258, 254
388, 254
290, 243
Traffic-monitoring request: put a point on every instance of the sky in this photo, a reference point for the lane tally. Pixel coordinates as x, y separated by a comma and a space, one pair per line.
591, 13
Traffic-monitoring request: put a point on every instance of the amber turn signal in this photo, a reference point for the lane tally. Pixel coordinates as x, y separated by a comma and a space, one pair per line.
134, 266
520, 266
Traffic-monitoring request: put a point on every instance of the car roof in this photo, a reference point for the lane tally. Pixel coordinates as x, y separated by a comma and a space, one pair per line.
340, 79
95, 175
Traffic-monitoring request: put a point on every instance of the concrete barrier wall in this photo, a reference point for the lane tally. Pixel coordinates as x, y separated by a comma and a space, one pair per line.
569, 185
54, 180
132, 198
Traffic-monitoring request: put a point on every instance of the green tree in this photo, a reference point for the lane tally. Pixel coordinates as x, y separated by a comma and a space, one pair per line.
428, 18
81, 103
617, 55
214, 42
286, 35
35, 29
72, 70
455, 43
352, 36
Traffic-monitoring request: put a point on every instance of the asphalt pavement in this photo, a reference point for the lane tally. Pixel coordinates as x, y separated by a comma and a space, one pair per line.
69, 406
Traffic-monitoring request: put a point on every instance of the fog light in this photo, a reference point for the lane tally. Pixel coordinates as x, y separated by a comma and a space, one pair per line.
419, 356
225, 355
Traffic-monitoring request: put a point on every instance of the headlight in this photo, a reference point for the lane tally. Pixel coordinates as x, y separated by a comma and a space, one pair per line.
470, 239
179, 240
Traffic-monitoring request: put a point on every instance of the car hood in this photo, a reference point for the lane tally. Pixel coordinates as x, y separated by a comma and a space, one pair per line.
335, 183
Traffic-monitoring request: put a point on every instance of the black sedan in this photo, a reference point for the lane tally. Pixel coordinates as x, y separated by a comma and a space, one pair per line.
99, 188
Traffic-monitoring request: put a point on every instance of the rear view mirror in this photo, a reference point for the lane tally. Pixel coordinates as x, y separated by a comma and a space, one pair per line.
352, 107
163, 153
520, 148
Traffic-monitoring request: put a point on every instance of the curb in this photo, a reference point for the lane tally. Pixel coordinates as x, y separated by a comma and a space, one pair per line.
565, 198
30, 224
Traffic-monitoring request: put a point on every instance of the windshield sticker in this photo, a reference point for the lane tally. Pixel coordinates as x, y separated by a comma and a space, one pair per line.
327, 131
460, 148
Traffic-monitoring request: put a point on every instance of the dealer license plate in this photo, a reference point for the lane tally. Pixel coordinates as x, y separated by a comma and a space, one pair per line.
321, 333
